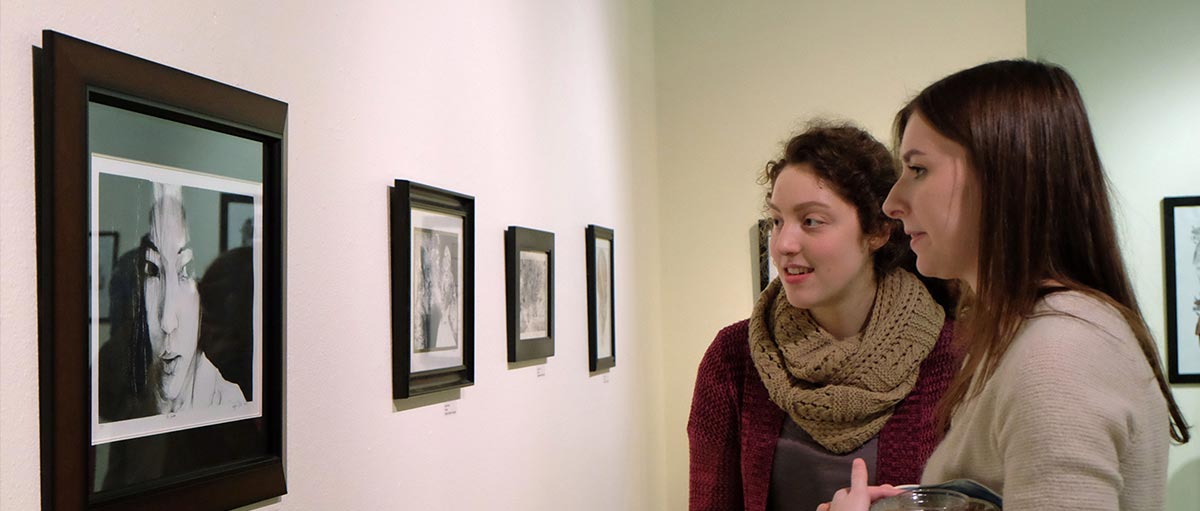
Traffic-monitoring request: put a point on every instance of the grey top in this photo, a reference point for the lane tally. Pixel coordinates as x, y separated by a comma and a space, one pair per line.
805, 474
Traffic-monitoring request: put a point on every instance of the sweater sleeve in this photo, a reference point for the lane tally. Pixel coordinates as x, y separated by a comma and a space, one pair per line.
714, 443
1065, 416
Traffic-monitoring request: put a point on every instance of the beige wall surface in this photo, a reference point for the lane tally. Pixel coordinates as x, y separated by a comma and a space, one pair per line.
1138, 68
542, 110
734, 80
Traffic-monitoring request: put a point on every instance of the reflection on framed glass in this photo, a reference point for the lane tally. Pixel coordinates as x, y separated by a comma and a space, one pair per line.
1181, 257
766, 271
602, 340
237, 220
177, 397
106, 258
529, 275
433, 289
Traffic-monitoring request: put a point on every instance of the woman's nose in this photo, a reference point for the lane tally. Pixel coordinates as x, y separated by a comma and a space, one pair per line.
893, 205
787, 240
170, 306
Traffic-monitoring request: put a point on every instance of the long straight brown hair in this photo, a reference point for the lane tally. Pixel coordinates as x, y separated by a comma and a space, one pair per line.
1046, 205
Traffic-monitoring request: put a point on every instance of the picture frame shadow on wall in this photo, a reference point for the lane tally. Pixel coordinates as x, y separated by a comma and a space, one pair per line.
433, 289
529, 289
172, 396
1181, 264
602, 337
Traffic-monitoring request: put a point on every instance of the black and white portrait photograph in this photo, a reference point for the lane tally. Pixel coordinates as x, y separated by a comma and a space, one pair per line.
1182, 240
437, 317
182, 345
535, 295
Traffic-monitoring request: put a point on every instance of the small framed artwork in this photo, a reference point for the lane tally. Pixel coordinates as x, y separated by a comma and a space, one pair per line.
529, 284
602, 340
106, 258
176, 401
237, 221
766, 271
1181, 261
433, 289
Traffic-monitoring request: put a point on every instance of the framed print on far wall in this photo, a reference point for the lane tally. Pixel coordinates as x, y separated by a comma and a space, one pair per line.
176, 400
529, 285
1181, 258
602, 338
766, 271
433, 289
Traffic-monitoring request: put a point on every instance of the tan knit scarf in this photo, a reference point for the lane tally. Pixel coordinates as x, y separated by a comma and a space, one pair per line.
842, 391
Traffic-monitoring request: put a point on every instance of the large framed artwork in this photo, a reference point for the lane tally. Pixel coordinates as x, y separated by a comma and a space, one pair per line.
433, 289
160, 353
602, 337
1181, 260
529, 276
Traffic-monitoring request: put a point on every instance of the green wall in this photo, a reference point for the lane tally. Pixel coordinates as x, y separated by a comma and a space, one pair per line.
1138, 66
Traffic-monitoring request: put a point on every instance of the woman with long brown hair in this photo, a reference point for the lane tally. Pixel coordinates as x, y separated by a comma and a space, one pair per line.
1061, 403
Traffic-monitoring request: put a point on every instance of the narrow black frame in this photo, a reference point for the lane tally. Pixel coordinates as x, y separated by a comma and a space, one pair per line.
595, 362
517, 240
1170, 276
69, 73
405, 196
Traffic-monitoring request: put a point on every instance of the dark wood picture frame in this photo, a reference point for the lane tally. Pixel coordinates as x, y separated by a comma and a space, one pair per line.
602, 330
516, 241
1176, 287
407, 197
70, 75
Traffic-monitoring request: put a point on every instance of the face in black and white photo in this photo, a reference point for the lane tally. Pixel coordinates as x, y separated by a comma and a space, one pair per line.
172, 300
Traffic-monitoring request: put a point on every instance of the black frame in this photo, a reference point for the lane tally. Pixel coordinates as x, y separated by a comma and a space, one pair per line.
69, 74
595, 362
764, 253
1170, 277
406, 196
517, 240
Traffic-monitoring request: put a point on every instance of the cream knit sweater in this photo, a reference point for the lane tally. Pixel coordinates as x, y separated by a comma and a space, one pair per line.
1072, 418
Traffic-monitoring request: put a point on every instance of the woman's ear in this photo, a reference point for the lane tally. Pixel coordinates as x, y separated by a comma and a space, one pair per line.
880, 238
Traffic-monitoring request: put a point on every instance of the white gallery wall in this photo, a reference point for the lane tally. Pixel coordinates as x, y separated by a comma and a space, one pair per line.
734, 81
1139, 72
543, 110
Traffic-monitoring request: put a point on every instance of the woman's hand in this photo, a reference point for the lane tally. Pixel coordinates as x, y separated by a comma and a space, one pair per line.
859, 496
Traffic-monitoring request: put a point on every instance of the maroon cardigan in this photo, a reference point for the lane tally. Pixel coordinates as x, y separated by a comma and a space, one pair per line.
734, 425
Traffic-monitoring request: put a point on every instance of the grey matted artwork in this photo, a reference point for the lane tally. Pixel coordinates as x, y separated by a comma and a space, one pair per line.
535, 295
436, 311
604, 299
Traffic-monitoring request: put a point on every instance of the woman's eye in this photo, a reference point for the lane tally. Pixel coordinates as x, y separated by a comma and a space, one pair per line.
150, 269
776, 222
917, 170
812, 222
185, 273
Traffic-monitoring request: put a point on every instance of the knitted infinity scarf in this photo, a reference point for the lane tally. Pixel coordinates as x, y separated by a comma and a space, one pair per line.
842, 391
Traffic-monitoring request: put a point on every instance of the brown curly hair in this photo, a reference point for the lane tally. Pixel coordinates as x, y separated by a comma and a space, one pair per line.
859, 169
